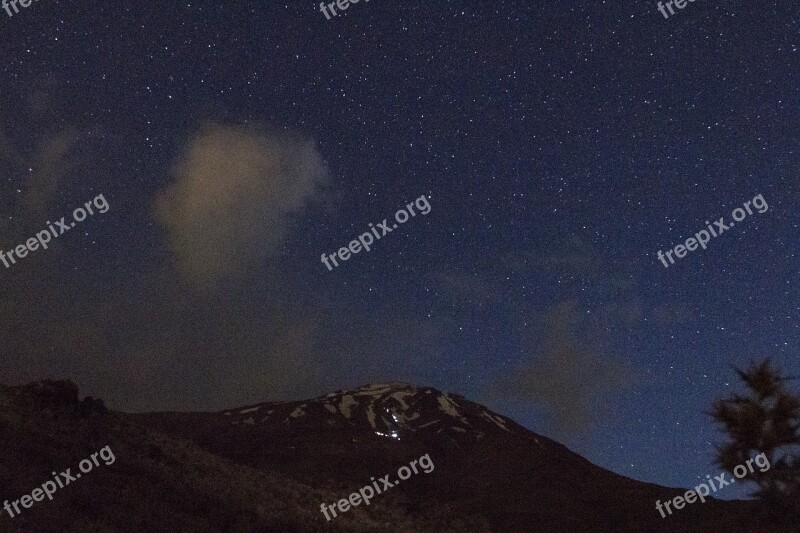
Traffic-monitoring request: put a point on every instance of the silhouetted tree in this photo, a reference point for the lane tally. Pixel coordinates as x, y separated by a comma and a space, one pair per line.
765, 420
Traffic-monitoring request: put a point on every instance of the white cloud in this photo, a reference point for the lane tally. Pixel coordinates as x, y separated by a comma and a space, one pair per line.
234, 194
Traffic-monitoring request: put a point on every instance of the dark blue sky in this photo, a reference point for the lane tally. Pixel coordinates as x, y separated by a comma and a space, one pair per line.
561, 144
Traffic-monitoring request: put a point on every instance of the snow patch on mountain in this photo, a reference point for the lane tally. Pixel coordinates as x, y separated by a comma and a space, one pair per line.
450, 407
347, 403
498, 421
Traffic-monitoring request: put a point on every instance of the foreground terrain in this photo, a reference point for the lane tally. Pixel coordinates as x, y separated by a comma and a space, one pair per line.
269, 467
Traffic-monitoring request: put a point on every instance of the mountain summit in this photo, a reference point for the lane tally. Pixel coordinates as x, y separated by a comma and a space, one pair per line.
389, 410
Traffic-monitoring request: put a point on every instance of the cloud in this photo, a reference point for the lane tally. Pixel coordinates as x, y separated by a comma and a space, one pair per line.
43, 171
41, 158
143, 337
233, 198
50, 165
571, 382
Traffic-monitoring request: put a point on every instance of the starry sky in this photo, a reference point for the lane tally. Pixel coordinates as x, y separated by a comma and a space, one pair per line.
560, 144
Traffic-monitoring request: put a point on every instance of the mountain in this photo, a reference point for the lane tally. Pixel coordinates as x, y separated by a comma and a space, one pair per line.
270, 466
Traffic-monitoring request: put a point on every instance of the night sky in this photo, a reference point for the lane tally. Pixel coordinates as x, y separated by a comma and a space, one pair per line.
560, 144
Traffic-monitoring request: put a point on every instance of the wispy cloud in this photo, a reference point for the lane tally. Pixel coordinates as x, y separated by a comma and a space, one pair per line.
567, 377
50, 165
